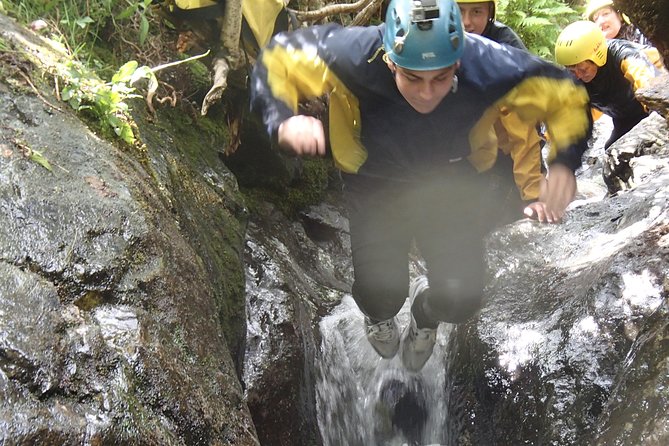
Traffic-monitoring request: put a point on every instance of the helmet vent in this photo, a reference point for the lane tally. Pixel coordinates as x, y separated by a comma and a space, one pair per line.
455, 41
398, 45
396, 17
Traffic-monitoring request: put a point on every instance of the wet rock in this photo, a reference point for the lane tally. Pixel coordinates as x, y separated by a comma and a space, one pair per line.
655, 96
291, 279
636, 411
114, 307
635, 156
572, 328
403, 405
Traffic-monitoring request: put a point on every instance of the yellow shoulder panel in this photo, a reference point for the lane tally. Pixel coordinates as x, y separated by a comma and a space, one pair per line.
261, 15
295, 75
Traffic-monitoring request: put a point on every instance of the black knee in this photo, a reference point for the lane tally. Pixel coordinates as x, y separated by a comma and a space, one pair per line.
378, 302
454, 301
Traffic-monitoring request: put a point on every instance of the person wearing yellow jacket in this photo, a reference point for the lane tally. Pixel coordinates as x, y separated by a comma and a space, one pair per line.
611, 70
412, 104
519, 142
261, 19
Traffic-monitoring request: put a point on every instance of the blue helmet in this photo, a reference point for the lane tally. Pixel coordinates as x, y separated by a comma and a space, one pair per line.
423, 34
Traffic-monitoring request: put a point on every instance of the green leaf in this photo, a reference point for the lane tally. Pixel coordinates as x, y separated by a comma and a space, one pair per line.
84, 22
127, 12
126, 133
114, 121
66, 94
153, 84
40, 159
103, 102
520, 14
125, 72
142, 72
143, 29
75, 103
535, 21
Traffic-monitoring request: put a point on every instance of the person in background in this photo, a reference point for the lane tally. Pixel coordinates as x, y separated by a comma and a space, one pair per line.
478, 17
519, 142
616, 25
412, 103
613, 23
611, 70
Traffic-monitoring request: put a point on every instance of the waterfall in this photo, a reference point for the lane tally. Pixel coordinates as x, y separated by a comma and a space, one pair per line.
363, 399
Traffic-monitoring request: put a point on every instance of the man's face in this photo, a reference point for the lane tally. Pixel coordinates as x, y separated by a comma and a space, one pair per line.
585, 71
608, 20
423, 90
475, 16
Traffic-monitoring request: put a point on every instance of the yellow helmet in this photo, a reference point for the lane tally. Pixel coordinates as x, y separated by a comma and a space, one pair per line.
595, 5
581, 41
494, 5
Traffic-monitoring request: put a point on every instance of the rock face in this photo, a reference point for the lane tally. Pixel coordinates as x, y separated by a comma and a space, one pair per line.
575, 322
115, 304
296, 272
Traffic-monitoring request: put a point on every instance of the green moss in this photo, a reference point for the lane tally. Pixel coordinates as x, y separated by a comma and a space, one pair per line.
308, 189
89, 301
212, 124
179, 338
311, 186
185, 148
199, 74
199, 138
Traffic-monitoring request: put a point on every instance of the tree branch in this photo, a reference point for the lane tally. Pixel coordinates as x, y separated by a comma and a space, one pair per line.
318, 14
364, 16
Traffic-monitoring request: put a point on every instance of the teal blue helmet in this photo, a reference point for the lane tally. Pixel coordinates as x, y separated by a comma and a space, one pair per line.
423, 34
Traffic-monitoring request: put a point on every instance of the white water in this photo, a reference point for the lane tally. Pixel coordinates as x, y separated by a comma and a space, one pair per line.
351, 379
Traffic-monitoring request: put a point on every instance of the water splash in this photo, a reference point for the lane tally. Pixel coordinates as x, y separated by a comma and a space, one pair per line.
363, 399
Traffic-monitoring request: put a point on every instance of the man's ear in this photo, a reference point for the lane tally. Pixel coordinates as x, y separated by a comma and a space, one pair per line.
391, 66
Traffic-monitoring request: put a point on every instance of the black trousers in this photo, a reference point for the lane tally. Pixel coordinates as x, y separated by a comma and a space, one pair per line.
447, 215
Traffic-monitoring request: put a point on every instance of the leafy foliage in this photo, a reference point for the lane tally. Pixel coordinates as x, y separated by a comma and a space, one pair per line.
106, 101
537, 22
80, 25
139, 9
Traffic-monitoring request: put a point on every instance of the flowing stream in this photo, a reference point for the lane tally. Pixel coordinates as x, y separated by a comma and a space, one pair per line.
363, 399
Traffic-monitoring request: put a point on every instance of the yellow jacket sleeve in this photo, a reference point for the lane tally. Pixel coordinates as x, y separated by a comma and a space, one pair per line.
522, 142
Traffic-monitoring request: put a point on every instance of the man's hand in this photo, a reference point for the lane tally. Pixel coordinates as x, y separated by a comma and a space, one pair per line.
556, 193
302, 135
539, 211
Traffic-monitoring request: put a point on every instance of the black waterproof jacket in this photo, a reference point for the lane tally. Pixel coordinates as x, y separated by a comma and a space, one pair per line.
374, 131
501, 33
627, 68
